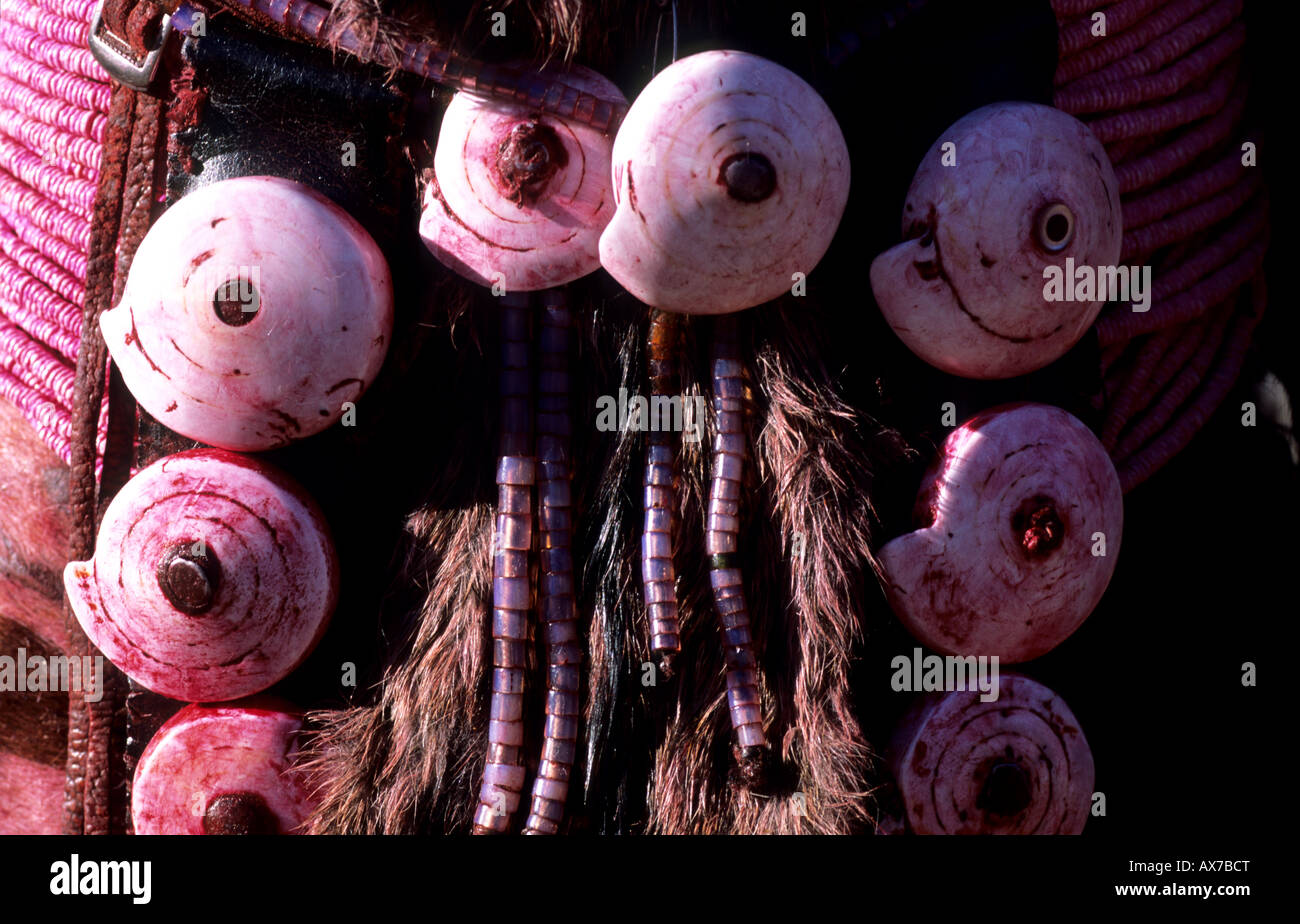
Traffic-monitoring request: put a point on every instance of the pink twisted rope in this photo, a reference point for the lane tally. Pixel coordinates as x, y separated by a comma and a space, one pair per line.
1119, 16
47, 51
1183, 375
1148, 168
1137, 468
1143, 123
1126, 43
1165, 96
1100, 97
1167, 49
15, 198
53, 106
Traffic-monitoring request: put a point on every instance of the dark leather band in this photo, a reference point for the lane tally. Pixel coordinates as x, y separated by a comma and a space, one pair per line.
271, 107
123, 202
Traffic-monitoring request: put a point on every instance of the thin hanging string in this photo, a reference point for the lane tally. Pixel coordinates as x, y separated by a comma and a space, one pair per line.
659, 25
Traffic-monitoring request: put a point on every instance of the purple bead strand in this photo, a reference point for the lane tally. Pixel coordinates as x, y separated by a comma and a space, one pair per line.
503, 772
658, 574
722, 540
558, 610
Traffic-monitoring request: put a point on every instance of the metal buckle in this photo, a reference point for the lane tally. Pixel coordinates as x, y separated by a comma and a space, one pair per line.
120, 66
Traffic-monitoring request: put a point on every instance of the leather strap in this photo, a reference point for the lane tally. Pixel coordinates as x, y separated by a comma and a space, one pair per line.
95, 793
135, 22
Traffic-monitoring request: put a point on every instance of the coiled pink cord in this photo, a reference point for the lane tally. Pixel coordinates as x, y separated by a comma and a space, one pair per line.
1164, 91
53, 105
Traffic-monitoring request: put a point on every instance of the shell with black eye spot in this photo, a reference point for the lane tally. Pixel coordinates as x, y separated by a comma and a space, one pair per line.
1030, 188
731, 175
250, 304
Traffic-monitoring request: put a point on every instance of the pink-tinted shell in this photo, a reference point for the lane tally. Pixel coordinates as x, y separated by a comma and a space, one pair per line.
965, 291
205, 752
965, 584
277, 584
316, 341
945, 748
475, 227
678, 240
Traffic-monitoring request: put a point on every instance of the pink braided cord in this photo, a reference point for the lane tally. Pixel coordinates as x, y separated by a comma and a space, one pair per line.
53, 112
1164, 91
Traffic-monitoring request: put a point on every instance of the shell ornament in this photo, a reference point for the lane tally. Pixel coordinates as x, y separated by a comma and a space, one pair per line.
518, 199
1031, 188
214, 576
730, 175
254, 310
1023, 516
1018, 764
225, 769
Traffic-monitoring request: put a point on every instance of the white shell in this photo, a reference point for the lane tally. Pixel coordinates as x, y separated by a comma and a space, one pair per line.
679, 241
205, 752
276, 584
473, 226
943, 752
965, 292
317, 339
965, 584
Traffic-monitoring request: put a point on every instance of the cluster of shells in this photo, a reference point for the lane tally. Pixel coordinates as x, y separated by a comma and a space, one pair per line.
1004, 193
1019, 518
256, 309
254, 312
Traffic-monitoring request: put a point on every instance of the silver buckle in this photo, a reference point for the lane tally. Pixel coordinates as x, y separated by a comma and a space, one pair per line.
115, 59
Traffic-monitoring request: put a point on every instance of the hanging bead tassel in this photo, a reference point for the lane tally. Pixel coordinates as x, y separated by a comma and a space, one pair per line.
559, 614
503, 773
722, 541
657, 571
